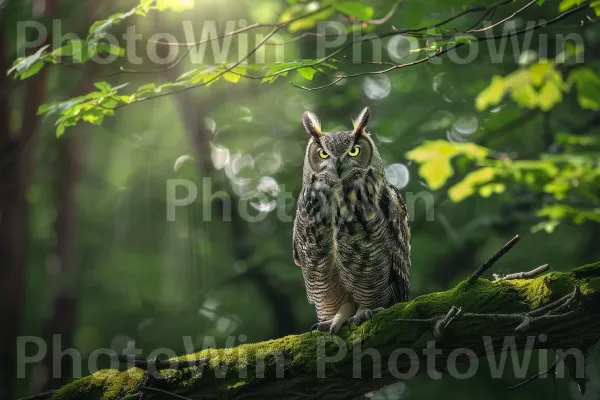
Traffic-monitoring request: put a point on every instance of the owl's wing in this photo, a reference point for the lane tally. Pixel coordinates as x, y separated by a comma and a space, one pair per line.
300, 221
400, 244
298, 249
294, 244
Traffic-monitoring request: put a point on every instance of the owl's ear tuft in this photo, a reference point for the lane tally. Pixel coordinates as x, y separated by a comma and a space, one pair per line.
360, 123
312, 124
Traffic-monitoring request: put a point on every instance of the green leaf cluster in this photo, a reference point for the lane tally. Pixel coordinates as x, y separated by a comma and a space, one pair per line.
539, 85
560, 179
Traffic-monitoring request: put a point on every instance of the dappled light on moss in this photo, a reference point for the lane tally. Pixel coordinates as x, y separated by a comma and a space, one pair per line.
240, 369
104, 385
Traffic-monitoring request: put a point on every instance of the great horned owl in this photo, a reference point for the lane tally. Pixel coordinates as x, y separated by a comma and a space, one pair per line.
351, 233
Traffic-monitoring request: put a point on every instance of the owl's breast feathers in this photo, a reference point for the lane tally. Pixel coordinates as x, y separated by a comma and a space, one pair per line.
356, 234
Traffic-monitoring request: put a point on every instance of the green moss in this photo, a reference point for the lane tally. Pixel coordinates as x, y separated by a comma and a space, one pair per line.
591, 286
544, 289
104, 385
234, 369
589, 270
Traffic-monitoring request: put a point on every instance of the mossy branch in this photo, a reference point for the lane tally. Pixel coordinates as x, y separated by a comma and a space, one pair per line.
560, 305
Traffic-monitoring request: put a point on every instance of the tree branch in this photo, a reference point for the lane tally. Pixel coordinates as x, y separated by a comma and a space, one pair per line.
561, 306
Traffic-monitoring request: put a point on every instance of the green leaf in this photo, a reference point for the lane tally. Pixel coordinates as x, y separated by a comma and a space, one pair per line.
356, 9
525, 96
435, 157
488, 190
32, 70
60, 130
549, 96
469, 185
436, 172
463, 38
147, 87
523, 85
307, 72
577, 140
188, 74
27, 67
174, 5
81, 50
546, 226
563, 211
103, 86
568, 4
99, 28
540, 2
311, 22
231, 77
493, 94
77, 49
539, 72
108, 48
588, 87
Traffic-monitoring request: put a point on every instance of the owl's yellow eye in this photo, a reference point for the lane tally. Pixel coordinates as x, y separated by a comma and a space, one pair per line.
323, 155
355, 151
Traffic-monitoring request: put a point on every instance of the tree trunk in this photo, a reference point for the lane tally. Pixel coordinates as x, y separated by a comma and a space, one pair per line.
561, 306
63, 318
16, 166
64, 309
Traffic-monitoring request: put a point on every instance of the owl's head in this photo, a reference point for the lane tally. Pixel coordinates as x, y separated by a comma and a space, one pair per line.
341, 157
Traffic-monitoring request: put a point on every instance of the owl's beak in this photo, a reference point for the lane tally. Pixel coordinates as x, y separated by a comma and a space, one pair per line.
338, 168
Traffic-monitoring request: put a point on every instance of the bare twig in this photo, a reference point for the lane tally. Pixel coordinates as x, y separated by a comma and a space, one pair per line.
552, 312
528, 320
384, 71
420, 61
409, 32
489, 263
448, 20
336, 80
552, 306
387, 17
370, 62
148, 381
440, 327
543, 24
526, 275
439, 323
219, 75
490, 13
241, 30
550, 370
569, 301
548, 313
520, 10
276, 28
299, 37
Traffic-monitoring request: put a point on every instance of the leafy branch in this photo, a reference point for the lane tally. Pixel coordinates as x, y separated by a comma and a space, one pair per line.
444, 47
92, 108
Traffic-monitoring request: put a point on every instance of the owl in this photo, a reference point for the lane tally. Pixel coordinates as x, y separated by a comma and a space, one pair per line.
351, 236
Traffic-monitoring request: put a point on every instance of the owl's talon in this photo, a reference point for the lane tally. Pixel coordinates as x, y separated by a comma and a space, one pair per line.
322, 326
364, 314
